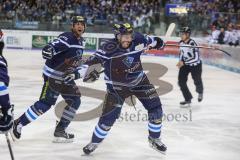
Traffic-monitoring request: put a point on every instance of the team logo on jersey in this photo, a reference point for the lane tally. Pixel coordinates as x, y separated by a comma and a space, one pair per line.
128, 61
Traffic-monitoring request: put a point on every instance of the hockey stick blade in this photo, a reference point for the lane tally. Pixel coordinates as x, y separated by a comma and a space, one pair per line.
170, 30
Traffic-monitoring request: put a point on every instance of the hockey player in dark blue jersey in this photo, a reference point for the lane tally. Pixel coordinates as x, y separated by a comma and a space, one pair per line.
124, 76
6, 117
63, 57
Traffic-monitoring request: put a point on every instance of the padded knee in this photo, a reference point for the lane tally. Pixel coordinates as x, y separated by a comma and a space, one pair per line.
73, 101
40, 107
155, 115
110, 118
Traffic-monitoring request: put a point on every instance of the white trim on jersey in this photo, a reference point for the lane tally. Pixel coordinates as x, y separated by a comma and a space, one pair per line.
49, 72
132, 83
121, 55
4, 64
67, 44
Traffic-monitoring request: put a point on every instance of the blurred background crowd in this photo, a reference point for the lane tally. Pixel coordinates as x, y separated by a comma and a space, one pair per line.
218, 20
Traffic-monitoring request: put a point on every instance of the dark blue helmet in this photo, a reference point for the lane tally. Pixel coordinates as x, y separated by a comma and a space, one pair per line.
123, 28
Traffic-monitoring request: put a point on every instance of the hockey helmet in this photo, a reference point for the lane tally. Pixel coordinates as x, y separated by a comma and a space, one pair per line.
185, 30
76, 19
124, 28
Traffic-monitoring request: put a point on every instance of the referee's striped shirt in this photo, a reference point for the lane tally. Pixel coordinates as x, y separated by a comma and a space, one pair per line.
190, 56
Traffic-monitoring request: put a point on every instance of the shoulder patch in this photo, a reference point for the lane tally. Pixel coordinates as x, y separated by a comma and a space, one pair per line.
109, 46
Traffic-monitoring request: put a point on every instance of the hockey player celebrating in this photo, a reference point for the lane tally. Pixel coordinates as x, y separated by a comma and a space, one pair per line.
6, 116
125, 77
63, 56
189, 62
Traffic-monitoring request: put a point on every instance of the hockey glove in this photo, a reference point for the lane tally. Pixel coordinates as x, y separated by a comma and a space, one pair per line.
6, 119
93, 76
48, 52
76, 74
68, 78
158, 43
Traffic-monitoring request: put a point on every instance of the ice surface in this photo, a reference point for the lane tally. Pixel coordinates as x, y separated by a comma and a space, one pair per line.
210, 130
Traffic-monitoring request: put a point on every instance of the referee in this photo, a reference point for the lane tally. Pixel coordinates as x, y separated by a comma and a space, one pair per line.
189, 62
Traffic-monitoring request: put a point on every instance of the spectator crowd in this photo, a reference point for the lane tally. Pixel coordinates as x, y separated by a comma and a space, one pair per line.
140, 12
221, 16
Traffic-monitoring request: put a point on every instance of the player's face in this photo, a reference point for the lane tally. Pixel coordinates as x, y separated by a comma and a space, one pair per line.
184, 36
125, 40
78, 28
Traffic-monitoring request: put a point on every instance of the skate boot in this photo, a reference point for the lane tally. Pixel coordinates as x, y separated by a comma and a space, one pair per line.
157, 144
61, 136
90, 148
188, 102
200, 97
16, 130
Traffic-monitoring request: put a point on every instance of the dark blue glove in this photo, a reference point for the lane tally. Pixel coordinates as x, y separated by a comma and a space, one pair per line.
48, 52
93, 76
6, 119
160, 44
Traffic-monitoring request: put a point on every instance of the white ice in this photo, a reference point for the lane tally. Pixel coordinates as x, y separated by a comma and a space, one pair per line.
212, 133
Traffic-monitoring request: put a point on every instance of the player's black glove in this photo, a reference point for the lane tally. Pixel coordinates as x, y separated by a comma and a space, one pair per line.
6, 119
68, 78
159, 43
93, 76
48, 52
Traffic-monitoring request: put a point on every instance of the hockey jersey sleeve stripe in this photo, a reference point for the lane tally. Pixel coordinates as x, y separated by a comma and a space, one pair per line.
3, 89
53, 71
2, 63
99, 55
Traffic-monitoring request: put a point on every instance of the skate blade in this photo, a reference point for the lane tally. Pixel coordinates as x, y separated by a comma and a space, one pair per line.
162, 152
62, 140
185, 106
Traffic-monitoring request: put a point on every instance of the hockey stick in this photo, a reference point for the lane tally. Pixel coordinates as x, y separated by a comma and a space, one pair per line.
9, 146
7, 138
170, 30
169, 33
204, 47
